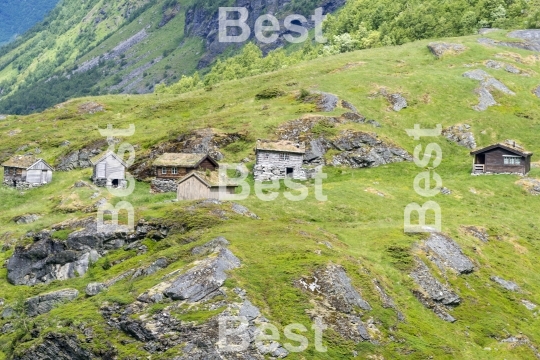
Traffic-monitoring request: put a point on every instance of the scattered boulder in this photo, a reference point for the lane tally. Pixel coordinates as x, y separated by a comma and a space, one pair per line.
449, 252
26, 219
508, 285
398, 101
210, 247
242, 210
44, 303
487, 84
529, 305
91, 108
461, 135
522, 340
477, 232
536, 91
94, 288
440, 49
205, 279
433, 288
327, 102
335, 286
532, 185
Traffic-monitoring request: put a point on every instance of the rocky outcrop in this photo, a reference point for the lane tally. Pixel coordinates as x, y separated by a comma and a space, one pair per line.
355, 149
508, 285
210, 247
44, 303
439, 49
242, 210
26, 219
487, 84
536, 91
497, 65
48, 259
433, 295
205, 279
449, 253
204, 23
461, 135
57, 347
80, 159
338, 303
479, 233
531, 40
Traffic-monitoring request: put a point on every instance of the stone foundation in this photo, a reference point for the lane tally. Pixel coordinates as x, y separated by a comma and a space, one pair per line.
103, 183
21, 185
164, 186
272, 172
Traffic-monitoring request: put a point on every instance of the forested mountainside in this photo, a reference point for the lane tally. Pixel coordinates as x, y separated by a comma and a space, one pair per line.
119, 46
17, 16
340, 257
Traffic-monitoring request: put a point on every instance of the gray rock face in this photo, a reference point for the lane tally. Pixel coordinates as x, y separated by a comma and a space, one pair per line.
477, 232
487, 84
361, 150
334, 284
242, 210
449, 252
525, 45
529, 305
440, 49
537, 91
95, 288
44, 303
433, 288
398, 102
211, 246
508, 285
439, 310
26, 219
461, 135
48, 259
80, 159
203, 280
57, 347
327, 102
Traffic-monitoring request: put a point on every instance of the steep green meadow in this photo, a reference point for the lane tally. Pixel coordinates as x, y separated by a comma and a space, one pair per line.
364, 229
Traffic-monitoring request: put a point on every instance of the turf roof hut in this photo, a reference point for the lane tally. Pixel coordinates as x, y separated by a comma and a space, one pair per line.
27, 170
200, 185
177, 165
507, 158
109, 170
279, 159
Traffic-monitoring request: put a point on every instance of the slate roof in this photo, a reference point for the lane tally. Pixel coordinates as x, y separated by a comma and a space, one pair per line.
21, 161
182, 160
281, 146
515, 149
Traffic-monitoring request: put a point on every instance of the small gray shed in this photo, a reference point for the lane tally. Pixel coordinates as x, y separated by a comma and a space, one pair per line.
109, 170
26, 169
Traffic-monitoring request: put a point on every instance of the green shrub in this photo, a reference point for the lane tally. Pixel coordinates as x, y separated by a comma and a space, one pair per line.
270, 93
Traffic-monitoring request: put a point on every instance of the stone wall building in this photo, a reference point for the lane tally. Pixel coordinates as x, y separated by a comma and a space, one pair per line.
279, 159
171, 168
25, 171
109, 170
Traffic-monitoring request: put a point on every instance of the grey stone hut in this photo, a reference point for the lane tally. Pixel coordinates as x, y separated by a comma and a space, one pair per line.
279, 159
502, 158
201, 185
25, 171
109, 170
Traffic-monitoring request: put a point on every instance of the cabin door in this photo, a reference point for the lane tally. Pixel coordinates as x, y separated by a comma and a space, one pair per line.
290, 172
44, 177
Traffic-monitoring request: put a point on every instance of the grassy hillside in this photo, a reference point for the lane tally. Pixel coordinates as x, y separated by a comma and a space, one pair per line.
364, 229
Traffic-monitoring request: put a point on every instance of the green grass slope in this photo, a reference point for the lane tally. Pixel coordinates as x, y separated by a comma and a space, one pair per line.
364, 229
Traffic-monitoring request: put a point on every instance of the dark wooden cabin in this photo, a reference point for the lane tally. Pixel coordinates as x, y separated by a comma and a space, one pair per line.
507, 158
177, 165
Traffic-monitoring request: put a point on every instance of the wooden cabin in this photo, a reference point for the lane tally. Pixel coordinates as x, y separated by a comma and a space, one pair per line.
109, 170
27, 169
502, 158
177, 165
199, 185
279, 159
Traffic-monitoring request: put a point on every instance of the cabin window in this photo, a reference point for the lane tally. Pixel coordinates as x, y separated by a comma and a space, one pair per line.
164, 171
175, 171
283, 156
512, 160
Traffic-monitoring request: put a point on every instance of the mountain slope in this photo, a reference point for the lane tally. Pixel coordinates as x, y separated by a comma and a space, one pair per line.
360, 227
17, 16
